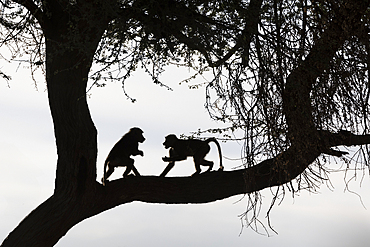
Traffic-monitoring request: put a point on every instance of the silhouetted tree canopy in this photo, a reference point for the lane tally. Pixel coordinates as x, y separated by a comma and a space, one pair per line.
291, 78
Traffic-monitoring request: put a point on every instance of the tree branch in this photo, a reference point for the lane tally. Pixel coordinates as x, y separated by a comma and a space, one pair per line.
296, 97
251, 18
33, 9
196, 21
206, 187
345, 138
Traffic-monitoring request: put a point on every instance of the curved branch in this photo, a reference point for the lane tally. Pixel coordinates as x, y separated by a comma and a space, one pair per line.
206, 187
209, 187
296, 98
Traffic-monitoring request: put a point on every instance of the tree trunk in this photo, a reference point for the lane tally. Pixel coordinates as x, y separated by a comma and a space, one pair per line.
69, 55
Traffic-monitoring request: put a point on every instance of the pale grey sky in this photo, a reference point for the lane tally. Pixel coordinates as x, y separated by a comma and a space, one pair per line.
28, 160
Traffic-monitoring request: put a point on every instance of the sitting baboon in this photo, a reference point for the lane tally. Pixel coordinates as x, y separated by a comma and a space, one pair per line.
181, 149
120, 154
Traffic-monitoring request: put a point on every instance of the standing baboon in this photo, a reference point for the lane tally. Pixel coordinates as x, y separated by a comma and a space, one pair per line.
120, 154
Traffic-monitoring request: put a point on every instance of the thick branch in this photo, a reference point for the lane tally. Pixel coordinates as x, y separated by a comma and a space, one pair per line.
344, 138
296, 97
214, 186
206, 187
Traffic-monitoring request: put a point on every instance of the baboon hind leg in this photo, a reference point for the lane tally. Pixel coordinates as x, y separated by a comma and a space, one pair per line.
110, 171
129, 165
208, 163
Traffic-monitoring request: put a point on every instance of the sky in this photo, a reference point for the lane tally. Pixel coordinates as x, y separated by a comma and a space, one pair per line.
333, 217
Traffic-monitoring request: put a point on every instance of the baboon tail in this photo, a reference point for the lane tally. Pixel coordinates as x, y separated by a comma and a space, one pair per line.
212, 139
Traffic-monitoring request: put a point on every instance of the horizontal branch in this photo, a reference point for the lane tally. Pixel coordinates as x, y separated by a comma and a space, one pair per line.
344, 138
218, 185
206, 187
203, 188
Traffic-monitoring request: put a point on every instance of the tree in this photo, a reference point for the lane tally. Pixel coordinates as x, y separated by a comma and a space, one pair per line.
292, 75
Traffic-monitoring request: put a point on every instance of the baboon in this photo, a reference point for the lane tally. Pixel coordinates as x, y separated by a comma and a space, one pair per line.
181, 149
120, 154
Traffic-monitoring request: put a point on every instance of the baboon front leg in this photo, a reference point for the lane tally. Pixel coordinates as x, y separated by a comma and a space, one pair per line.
197, 168
135, 171
167, 169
